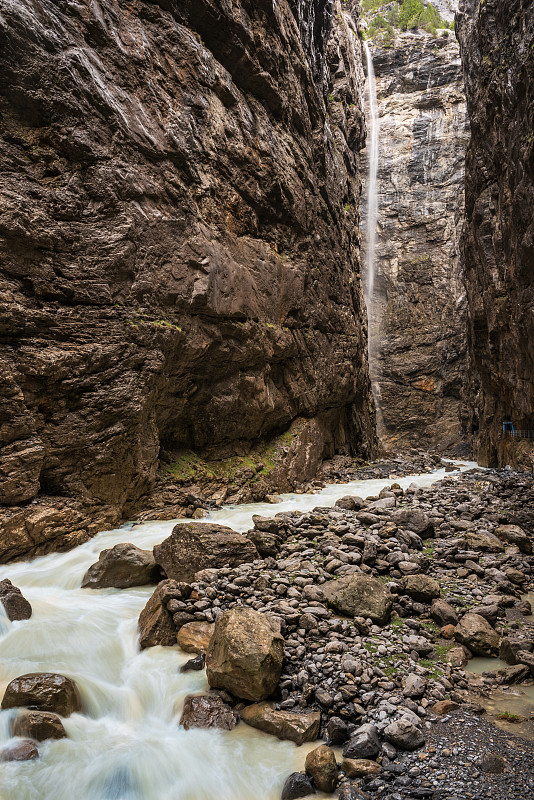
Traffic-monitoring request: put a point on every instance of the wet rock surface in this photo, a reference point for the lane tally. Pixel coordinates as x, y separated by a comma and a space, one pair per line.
208, 711
38, 725
120, 567
43, 691
180, 256
15, 604
418, 314
498, 239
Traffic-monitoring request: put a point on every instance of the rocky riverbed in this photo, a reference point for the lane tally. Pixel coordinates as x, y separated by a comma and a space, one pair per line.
381, 602
355, 623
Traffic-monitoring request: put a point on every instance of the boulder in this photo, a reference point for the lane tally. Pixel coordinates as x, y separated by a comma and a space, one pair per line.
443, 707
527, 659
43, 691
404, 735
509, 648
414, 520
15, 604
359, 596
208, 711
421, 588
267, 544
513, 534
363, 743
476, 633
194, 637
156, 625
484, 542
321, 766
442, 613
245, 654
194, 664
359, 767
297, 785
38, 725
285, 725
21, 751
350, 503
414, 686
337, 731
195, 546
490, 763
122, 566
457, 656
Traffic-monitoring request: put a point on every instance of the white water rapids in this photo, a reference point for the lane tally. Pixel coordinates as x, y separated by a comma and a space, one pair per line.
127, 745
372, 194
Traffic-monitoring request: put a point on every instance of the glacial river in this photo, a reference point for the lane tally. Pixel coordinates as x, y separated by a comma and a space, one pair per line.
127, 743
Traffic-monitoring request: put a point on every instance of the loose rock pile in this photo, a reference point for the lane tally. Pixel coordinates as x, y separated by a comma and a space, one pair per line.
380, 602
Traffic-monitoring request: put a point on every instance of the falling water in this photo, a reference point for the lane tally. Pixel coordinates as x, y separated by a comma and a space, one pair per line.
372, 195
127, 744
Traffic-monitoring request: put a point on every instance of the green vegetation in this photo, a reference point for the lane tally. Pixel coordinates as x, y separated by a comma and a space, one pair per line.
508, 717
386, 16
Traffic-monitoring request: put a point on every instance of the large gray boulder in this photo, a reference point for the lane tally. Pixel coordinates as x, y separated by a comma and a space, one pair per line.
476, 633
513, 534
363, 743
194, 546
404, 735
120, 567
359, 596
245, 654
414, 519
421, 587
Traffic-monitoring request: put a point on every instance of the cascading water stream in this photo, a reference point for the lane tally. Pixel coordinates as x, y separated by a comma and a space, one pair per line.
372, 194
127, 744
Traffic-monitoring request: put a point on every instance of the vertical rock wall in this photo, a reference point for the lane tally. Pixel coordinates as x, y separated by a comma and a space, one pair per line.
417, 329
497, 48
179, 254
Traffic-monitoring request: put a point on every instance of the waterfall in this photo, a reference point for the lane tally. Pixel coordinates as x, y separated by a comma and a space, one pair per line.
372, 196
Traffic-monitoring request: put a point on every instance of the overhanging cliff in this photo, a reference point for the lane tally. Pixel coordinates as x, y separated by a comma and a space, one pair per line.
179, 249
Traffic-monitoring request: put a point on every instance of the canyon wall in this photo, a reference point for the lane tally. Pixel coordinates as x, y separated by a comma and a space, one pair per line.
179, 254
497, 48
418, 310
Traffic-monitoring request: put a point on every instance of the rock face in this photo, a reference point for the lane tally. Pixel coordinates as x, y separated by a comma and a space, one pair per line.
245, 655
43, 691
498, 239
122, 566
179, 249
417, 315
359, 596
194, 546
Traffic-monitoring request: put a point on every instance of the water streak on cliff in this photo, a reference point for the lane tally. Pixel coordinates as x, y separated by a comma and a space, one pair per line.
372, 194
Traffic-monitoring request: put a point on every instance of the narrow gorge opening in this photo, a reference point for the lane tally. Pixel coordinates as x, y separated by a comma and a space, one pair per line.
267, 399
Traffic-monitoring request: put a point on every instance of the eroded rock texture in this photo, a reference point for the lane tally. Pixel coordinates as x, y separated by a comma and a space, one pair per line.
497, 47
418, 310
179, 247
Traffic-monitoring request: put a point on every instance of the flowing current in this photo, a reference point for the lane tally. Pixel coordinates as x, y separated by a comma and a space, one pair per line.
372, 195
127, 744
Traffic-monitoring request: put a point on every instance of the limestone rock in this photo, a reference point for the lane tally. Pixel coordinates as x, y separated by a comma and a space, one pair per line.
442, 613
404, 735
414, 519
286, 725
321, 766
476, 633
122, 566
15, 604
21, 751
38, 725
245, 655
486, 542
513, 534
359, 596
194, 637
297, 785
156, 626
414, 686
359, 767
195, 546
44, 691
422, 588
208, 711
363, 743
